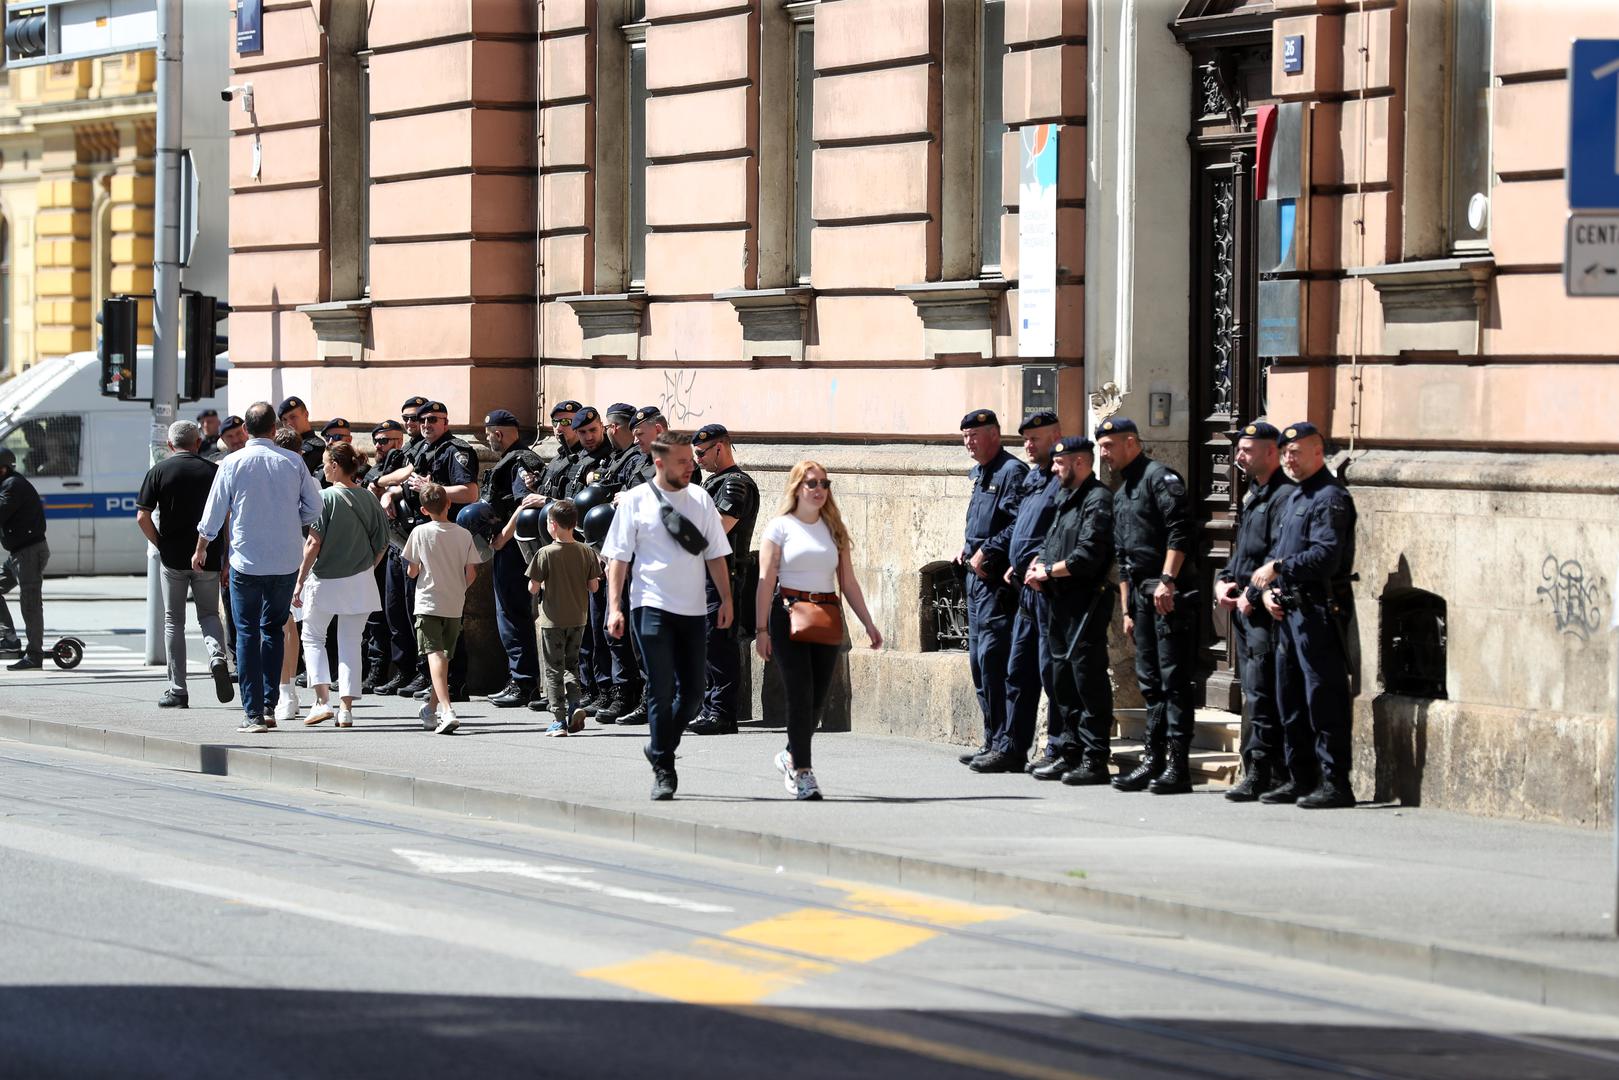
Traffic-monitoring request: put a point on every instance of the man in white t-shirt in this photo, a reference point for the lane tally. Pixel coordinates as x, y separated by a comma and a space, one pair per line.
668, 600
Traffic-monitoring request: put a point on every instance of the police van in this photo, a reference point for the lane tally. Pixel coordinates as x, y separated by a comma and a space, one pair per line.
86, 455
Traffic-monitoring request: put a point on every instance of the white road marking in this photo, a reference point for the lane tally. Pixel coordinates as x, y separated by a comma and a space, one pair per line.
433, 863
287, 906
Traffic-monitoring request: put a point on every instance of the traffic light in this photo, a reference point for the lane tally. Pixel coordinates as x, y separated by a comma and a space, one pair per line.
25, 35
203, 342
117, 318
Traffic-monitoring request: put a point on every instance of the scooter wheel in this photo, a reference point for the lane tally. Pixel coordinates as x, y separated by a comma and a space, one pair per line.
68, 653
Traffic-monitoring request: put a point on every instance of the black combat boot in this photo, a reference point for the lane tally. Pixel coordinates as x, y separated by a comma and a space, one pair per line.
618, 704
1258, 777
1093, 770
1137, 779
1176, 779
636, 715
1331, 795
1290, 792
1050, 768
415, 686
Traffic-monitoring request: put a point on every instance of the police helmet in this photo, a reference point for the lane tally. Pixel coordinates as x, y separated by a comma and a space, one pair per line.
593, 496
530, 523
598, 519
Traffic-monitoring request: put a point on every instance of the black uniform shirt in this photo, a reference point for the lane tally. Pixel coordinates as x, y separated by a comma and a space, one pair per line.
992, 509
1316, 544
1150, 518
314, 454
735, 495
1257, 529
589, 468
553, 479
1081, 535
1037, 505
450, 461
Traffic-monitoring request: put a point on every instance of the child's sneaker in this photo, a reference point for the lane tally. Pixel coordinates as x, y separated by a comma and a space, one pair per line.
428, 716
576, 722
446, 722
557, 729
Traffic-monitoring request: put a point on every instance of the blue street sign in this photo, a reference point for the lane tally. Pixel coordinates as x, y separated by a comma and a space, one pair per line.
1593, 129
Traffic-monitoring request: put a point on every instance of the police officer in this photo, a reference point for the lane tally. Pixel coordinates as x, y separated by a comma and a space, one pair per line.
589, 467
1028, 662
616, 663
232, 437
1258, 523
1306, 588
1072, 573
1153, 532
997, 487
500, 492
736, 497
394, 464
295, 414
450, 462
385, 438
410, 416
337, 430
551, 483
208, 421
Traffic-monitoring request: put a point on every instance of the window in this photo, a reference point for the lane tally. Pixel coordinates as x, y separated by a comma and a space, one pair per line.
944, 608
803, 146
991, 128
635, 35
48, 446
1469, 158
1413, 644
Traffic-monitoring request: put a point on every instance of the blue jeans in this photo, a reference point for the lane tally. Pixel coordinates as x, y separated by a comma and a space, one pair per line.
259, 605
673, 647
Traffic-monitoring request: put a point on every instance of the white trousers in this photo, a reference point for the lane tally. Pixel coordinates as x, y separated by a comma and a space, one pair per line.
349, 630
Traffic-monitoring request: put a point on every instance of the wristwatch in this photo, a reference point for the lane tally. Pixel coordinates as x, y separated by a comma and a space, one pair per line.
1166, 580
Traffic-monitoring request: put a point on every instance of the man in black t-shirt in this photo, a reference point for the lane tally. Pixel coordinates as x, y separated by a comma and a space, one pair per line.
736, 497
175, 490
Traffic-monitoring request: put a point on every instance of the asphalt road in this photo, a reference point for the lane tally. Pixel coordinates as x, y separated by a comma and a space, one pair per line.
165, 924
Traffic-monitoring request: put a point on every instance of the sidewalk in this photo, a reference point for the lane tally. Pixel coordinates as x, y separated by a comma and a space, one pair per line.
1507, 908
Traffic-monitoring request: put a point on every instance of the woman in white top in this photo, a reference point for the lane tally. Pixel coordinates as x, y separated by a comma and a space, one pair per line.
804, 554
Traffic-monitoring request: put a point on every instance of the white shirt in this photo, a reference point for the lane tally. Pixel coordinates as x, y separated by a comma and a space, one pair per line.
665, 576
809, 556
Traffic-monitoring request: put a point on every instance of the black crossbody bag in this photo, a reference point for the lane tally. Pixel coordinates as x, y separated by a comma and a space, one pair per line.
682, 528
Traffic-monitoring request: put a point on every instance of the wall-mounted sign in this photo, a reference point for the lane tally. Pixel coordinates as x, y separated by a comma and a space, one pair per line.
1279, 308
249, 26
1037, 241
1293, 54
1591, 254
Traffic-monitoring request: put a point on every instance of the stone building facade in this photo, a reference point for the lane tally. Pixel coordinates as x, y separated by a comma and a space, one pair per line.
801, 220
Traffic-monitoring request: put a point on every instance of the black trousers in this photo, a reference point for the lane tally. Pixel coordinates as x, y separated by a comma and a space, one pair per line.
1081, 726
724, 663
1164, 668
1256, 666
397, 609
377, 643
989, 647
1312, 686
806, 678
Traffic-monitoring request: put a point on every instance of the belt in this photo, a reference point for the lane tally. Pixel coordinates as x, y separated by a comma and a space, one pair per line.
812, 597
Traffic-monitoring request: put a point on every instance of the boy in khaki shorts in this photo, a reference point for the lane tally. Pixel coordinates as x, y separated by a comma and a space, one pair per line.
443, 558
569, 572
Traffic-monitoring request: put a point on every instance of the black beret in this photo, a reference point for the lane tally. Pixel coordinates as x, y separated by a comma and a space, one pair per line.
619, 410
585, 417
206, 413
1117, 425
334, 422
435, 408
569, 406
979, 418
709, 432
500, 418
290, 404
387, 425
231, 421
1259, 429
1073, 444
646, 414
1301, 430
412, 404
1043, 418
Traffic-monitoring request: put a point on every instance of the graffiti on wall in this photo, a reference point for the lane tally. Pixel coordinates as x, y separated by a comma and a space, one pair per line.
1576, 597
677, 401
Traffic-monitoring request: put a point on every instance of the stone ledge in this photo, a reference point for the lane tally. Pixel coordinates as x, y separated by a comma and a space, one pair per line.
1566, 474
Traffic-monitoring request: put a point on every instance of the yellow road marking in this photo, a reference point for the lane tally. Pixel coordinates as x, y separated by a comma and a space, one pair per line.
832, 935
908, 905
866, 1034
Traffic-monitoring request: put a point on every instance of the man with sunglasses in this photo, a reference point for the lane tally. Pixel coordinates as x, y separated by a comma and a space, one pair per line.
736, 497
396, 450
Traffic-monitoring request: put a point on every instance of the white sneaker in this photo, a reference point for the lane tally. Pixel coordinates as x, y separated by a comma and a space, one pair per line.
287, 707
429, 717
789, 776
319, 713
446, 721
345, 716
805, 787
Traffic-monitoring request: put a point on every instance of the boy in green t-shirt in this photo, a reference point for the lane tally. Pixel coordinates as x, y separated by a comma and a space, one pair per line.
569, 572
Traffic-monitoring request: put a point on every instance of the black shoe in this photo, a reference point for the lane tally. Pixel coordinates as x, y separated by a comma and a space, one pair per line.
1257, 778
1331, 795
459, 693
392, 685
618, 704
173, 699
515, 696
302, 680
1042, 762
1176, 779
1137, 779
973, 755
595, 701
664, 783
26, 663
708, 725
1050, 768
10, 645
1287, 793
221, 673
372, 681
538, 704
415, 686
636, 715
996, 762
1089, 772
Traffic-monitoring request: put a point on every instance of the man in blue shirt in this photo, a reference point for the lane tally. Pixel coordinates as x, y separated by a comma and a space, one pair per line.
267, 494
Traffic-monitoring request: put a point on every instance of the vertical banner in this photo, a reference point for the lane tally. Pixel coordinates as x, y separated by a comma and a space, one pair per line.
1037, 241
249, 26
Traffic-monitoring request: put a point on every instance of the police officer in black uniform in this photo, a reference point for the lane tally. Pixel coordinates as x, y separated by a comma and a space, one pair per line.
452, 463
295, 414
398, 607
1072, 573
1028, 669
736, 497
209, 418
1153, 532
590, 465
385, 438
1307, 588
997, 488
336, 430
551, 483
1258, 523
500, 492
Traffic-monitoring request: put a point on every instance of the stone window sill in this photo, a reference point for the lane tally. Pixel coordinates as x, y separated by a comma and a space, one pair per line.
610, 323
958, 317
340, 320
775, 322
1435, 305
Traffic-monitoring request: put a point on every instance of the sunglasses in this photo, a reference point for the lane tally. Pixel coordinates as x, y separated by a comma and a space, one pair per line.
431, 419
813, 484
